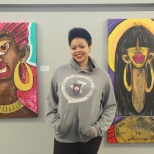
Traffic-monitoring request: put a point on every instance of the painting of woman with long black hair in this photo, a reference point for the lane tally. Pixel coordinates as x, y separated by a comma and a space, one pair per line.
134, 78
132, 73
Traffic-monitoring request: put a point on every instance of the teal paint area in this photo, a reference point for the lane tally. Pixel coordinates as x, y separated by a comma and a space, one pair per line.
32, 41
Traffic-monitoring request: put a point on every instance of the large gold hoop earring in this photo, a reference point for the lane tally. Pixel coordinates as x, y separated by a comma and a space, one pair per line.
148, 89
19, 84
128, 87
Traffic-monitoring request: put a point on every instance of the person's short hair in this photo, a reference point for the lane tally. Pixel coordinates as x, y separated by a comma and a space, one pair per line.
79, 33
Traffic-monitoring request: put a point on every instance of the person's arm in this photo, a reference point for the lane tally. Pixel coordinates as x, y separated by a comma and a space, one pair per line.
52, 116
109, 108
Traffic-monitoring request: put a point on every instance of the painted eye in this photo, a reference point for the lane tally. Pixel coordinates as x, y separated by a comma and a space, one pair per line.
4, 48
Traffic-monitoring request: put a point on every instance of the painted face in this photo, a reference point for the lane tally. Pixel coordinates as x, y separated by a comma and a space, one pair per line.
80, 50
138, 55
9, 55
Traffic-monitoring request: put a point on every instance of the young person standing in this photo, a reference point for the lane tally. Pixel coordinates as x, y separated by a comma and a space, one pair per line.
81, 103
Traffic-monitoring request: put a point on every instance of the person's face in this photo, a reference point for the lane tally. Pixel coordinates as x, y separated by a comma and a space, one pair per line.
9, 55
80, 50
138, 56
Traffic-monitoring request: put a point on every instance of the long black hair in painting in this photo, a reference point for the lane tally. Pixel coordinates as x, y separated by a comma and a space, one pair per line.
123, 96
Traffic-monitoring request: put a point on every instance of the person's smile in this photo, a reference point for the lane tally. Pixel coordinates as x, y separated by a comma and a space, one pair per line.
78, 55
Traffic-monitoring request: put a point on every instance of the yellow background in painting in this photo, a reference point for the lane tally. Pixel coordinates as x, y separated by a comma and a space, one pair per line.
119, 31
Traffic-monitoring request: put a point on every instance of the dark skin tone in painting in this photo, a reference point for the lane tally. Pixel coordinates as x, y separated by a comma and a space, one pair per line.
10, 55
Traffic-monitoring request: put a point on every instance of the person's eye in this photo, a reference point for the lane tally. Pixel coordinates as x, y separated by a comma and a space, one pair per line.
81, 47
4, 48
73, 48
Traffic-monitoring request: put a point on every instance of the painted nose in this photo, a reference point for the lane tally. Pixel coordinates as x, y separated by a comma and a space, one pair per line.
1, 59
137, 47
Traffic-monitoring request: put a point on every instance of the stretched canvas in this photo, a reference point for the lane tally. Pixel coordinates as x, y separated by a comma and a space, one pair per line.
18, 78
131, 68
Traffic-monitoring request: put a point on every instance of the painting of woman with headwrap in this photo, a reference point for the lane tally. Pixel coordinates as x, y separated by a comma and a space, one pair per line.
18, 79
131, 41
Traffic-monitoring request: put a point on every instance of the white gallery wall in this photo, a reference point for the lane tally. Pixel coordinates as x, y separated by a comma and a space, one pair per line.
34, 136
76, 2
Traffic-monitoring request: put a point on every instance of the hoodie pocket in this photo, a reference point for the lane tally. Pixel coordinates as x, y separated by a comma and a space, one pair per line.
84, 124
67, 123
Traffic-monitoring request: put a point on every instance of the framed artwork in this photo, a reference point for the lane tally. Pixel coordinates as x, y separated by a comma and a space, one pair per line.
18, 78
131, 68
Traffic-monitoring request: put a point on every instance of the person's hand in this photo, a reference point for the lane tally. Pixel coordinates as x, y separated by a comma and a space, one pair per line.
91, 132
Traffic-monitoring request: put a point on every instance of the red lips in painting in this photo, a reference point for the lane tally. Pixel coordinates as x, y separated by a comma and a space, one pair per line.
138, 58
4, 69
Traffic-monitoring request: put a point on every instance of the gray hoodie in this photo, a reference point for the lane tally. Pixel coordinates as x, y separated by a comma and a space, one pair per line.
80, 100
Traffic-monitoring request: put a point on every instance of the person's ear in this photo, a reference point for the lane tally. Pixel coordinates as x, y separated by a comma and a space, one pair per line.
25, 51
89, 48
